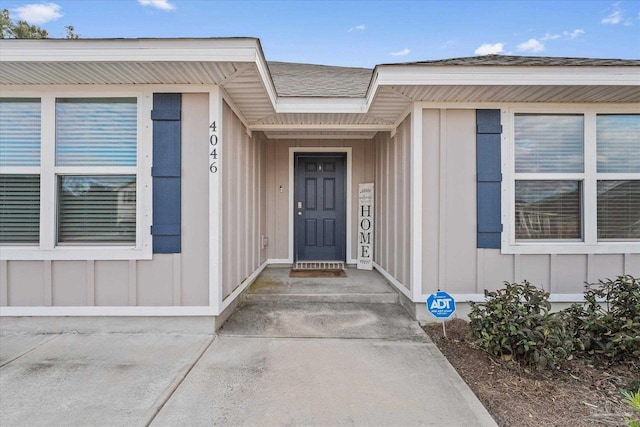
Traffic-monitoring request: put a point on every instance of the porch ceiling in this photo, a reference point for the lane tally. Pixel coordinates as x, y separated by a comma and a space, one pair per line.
310, 134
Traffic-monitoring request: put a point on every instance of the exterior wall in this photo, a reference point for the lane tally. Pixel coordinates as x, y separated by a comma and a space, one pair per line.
392, 204
450, 258
277, 174
243, 201
165, 280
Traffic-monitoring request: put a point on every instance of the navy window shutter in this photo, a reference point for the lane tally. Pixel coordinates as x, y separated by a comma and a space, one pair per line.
489, 178
167, 135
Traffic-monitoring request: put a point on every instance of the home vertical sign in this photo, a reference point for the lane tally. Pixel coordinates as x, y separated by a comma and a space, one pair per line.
365, 226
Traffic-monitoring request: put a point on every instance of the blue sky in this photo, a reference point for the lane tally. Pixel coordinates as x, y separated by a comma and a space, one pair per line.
361, 33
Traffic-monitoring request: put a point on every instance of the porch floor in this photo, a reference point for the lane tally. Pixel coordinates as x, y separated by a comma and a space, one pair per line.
359, 286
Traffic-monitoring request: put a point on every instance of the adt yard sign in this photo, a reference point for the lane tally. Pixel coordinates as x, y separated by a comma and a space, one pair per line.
441, 305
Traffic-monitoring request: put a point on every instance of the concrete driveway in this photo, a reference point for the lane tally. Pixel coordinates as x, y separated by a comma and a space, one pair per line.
347, 364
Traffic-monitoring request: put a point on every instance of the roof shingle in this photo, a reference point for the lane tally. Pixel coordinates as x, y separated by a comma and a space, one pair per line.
526, 61
310, 80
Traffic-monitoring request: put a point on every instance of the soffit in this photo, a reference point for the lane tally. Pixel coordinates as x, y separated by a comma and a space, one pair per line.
242, 81
104, 73
511, 93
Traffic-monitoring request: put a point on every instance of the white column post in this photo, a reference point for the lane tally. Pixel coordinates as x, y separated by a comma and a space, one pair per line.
215, 199
416, 203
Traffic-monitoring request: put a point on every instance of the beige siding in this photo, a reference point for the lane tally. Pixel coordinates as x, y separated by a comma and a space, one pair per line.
393, 203
450, 259
194, 260
165, 280
69, 283
243, 211
27, 283
277, 175
111, 283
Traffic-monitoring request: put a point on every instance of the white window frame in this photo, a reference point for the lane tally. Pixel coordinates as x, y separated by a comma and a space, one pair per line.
589, 178
48, 249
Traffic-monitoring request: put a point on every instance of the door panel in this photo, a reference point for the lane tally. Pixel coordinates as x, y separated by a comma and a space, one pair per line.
329, 194
320, 207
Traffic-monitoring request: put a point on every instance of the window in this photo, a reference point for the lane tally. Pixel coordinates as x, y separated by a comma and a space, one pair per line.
71, 178
96, 133
573, 183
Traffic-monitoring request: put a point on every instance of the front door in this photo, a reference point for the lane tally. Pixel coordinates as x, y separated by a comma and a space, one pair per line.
319, 207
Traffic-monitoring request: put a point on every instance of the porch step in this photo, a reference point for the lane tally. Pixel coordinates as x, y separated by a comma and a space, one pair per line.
364, 287
323, 320
365, 298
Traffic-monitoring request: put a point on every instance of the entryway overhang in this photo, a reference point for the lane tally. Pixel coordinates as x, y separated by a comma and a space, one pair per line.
238, 66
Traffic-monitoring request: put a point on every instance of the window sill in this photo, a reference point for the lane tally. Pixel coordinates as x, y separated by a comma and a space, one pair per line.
545, 248
76, 253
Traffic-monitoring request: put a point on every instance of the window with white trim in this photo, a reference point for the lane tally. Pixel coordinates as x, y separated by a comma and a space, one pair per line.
69, 178
574, 183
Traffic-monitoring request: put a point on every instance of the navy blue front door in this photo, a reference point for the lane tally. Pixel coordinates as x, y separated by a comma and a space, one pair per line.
319, 207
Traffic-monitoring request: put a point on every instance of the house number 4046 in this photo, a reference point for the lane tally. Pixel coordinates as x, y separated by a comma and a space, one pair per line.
213, 145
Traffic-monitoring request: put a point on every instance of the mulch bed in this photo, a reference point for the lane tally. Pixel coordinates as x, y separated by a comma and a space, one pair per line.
304, 273
578, 394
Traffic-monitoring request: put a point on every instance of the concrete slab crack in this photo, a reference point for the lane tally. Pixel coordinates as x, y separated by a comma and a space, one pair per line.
6, 362
176, 384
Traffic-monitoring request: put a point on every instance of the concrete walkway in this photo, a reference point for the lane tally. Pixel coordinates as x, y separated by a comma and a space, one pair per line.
273, 364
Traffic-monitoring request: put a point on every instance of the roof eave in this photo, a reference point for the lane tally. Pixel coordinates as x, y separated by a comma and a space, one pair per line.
424, 75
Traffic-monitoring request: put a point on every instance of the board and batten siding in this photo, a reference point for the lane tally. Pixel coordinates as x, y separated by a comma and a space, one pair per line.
451, 259
392, 166
243, 197
277, 175
179, 279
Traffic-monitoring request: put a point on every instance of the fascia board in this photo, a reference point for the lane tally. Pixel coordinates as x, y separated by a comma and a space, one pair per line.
509, 76
321, 105
216, 50
265, 75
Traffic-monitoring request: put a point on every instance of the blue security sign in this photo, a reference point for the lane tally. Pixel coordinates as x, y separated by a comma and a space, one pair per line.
441, 305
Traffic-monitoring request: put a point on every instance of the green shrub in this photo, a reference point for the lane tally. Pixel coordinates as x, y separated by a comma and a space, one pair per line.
608, 322
633, 400
515, 323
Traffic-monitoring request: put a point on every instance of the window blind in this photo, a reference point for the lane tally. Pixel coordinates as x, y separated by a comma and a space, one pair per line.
618, 142
97, 209
548, 210
96, 132
19, 132
549, 143
618, 210
19, 209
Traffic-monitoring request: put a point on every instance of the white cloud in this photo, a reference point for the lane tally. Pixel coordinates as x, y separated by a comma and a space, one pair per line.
158, 4
613, 18
448, 44
550, 36
616, 16
531, 45
402, 52
574, 34
360, 27
566, 34
39, 13
489, 49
